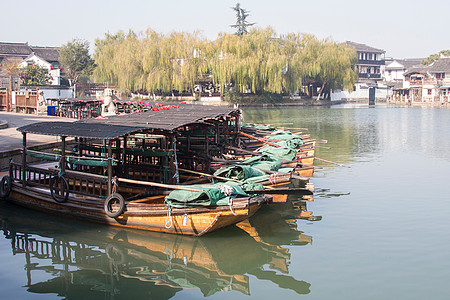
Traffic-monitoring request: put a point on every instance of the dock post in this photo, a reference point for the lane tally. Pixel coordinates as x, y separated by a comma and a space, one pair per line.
108, 192
63, 154
24, 159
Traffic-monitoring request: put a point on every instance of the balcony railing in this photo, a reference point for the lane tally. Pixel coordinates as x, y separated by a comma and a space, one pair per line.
370, 76
371, 62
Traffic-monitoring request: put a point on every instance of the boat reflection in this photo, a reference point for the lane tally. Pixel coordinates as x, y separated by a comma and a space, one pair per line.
81, 260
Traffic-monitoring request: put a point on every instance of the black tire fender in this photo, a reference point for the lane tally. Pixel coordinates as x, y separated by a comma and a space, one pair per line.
114, 199
56, 194
5, 187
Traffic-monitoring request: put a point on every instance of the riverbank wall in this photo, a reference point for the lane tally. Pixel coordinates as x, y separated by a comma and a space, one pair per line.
420, 104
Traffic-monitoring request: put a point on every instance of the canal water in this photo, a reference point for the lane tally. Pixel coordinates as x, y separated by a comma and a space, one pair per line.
376, 230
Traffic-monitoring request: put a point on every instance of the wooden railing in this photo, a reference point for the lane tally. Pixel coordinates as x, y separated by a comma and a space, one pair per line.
79, 182
4, 99
26, 101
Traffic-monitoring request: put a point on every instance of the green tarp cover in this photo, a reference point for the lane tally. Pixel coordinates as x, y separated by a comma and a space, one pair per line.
238, 172
262, 162
286, 151
283, 153
291, 140
211, 195
259, 126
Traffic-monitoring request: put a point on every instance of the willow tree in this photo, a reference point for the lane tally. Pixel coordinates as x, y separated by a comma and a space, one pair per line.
107, 57
336, 66
259, 61
152, 61
254, 61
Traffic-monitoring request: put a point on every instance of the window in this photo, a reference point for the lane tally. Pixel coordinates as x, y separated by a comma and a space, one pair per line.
429, 91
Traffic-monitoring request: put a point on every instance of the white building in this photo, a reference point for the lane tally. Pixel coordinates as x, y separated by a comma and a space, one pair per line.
369, 66
45, 57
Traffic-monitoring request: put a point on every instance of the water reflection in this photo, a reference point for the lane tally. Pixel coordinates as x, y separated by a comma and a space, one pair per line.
79, 260
357, 131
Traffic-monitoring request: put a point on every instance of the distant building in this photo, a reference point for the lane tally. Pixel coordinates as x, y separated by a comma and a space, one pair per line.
370, 61
14, 50
370, 64
396, 68
46, 57
427, 83
393, 74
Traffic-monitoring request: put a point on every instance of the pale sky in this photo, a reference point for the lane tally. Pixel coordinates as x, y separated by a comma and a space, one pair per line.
404, 29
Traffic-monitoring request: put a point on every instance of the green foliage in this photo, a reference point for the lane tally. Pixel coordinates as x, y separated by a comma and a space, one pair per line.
151, 61
232, 95
34, 75
258, 62
75, 58
433, 57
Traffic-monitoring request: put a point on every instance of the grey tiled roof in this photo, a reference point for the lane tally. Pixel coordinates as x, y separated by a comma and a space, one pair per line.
410, 62
14, 49
23, 50
406, 63
440, 66
363, 47
50, 54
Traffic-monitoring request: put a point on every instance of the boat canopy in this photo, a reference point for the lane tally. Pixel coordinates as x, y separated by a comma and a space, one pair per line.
168, 119
81, 130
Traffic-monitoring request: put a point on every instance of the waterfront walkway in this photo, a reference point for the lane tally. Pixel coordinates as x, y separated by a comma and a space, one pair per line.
11, 139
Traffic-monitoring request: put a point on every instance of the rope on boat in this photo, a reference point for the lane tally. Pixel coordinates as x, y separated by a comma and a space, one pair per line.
169, 221
176, 175
114, 185
231, 205
226, 189
273, 179
60, 173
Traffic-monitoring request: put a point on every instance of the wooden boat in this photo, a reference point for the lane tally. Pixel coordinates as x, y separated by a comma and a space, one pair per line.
117, 185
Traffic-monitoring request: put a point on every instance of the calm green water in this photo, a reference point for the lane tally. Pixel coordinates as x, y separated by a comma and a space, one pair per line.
377, 230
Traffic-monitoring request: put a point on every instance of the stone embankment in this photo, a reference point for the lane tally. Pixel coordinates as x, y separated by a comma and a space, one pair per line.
423, 104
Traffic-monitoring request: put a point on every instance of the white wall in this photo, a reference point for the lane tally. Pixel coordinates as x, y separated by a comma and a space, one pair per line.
55, 73
59, 93
51, 93
361, 93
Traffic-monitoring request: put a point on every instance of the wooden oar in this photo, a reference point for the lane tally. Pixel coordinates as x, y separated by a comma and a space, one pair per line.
320, 141
167, 186
332, 162
308, 166
258, 139
283, 191
209, 175
243, 151
292, 175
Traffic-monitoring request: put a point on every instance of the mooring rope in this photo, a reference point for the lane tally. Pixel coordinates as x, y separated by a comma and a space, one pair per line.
169, 222
231, 205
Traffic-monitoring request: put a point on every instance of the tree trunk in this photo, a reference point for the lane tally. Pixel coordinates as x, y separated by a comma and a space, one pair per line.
321, 90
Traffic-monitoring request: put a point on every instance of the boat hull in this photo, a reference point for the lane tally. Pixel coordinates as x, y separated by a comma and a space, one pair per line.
143, 216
